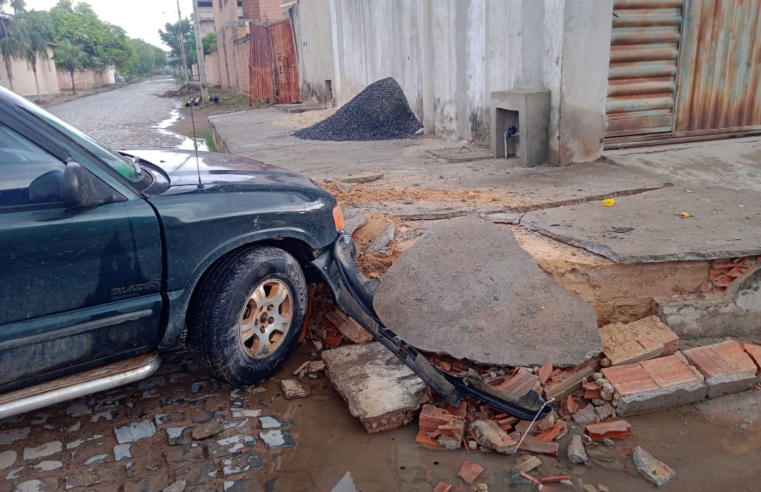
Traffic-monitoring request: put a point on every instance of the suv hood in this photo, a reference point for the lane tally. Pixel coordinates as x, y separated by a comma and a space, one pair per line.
219, 169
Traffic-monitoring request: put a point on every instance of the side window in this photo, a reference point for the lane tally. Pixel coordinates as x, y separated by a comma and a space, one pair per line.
29, 175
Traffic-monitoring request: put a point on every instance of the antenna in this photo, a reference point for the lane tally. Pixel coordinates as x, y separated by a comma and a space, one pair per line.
187, 81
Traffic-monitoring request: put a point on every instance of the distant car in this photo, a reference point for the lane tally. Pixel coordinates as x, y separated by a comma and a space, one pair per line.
107, 257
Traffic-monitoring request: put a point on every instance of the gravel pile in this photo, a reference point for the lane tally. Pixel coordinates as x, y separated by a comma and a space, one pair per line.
380, 112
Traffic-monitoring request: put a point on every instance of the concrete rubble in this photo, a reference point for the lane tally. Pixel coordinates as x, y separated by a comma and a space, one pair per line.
654, 471
362, 373
466, 288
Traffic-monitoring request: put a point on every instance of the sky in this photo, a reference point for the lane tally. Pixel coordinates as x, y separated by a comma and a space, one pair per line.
142, 19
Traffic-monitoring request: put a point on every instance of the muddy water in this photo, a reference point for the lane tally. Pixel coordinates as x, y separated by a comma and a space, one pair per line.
714, 445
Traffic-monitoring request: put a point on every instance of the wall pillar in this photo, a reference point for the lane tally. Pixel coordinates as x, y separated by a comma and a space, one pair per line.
583, 90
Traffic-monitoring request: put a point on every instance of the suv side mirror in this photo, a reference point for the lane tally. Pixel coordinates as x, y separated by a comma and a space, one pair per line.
82, 190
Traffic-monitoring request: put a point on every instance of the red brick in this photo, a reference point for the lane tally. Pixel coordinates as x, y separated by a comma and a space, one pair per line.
615, 429
566, 382
721, 359
572, 404
521, 383
442, 487
592, 391
529, 477
534, 445
434, 422
630, 379
555, 478
669, 371
754, 351
641, 340
553, 432
469, 471
544, 372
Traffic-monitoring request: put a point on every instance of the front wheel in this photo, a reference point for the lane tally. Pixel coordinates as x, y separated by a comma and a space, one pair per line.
245, 319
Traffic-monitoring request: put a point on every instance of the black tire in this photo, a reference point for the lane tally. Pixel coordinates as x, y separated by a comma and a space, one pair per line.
215, 313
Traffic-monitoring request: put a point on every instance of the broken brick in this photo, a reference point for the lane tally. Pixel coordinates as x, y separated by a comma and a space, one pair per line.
442, 487
641, 340
544, 372
529, 477
353, 331
655, 384
592, 391
726, 366
439, 427
469, 471
566, 382
489, 435
555, 479
556, 431
572, 404
523, 381
615, 429
754, 351
534, 445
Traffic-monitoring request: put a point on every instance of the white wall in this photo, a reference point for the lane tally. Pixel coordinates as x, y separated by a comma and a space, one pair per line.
449, 55
314, 47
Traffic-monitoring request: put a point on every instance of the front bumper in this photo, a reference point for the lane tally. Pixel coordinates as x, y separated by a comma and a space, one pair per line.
354, 295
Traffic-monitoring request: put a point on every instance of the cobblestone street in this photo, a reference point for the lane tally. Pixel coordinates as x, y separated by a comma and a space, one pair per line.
125, 118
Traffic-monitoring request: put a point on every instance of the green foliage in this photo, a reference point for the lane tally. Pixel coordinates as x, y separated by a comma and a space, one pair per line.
170, 35
209, 43
149, 58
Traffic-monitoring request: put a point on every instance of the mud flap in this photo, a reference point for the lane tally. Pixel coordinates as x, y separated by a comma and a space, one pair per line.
354, 294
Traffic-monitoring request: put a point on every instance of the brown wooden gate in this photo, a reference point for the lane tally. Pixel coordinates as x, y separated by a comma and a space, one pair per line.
284, 61
262, 84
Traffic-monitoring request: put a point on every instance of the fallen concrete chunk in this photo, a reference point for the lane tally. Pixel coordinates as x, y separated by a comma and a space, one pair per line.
576, 452
293, 389
726, 367
351, 225
641, 340
382, 240
528, 463
467, 288
654, 471
380, 390
207, 430
586, 415
489, 435
363, 178
655, 384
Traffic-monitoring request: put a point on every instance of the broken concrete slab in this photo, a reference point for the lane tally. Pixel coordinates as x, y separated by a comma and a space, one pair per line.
380, 390
656, 384
466, 288
490, 436
737, 314
351, 225
641, 340
577, 454
659, 233
654, 471
293, 389
726, 367
383, 239
353, 331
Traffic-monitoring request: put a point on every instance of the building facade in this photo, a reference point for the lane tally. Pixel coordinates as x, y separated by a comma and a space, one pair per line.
623, 72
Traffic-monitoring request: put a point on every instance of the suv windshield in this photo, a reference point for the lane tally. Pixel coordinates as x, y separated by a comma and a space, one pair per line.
123, 165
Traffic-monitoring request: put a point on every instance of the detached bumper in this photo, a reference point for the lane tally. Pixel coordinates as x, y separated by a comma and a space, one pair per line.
354, 294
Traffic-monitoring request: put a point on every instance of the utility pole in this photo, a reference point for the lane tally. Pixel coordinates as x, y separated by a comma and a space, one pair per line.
201, 56
182, 45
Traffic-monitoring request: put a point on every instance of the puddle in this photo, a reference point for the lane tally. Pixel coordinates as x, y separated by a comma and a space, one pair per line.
345, 485
186, 143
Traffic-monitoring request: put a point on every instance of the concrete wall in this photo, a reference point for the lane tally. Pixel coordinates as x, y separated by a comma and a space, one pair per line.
449, 55
229, 66
314, 41
23, 77
86, 79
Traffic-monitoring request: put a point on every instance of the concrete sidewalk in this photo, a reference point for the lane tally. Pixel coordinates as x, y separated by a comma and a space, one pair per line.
716, 183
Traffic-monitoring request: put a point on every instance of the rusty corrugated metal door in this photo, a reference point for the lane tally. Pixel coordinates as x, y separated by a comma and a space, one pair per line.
719, 86
644, 54
286, 69
262, 84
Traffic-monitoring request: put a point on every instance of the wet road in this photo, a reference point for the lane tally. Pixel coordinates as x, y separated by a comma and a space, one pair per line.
126, 118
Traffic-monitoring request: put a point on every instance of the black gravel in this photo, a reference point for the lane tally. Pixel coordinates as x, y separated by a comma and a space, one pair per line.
380, 112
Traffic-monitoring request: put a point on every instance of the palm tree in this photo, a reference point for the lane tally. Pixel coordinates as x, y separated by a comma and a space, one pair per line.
40, 36
13, 41
70, 56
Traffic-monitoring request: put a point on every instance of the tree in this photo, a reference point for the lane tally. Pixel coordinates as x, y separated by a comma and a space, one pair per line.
37, 24
13, 35
70, 56
171, 37
209, 43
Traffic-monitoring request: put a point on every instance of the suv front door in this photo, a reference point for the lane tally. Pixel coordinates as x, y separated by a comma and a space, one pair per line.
78, 288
